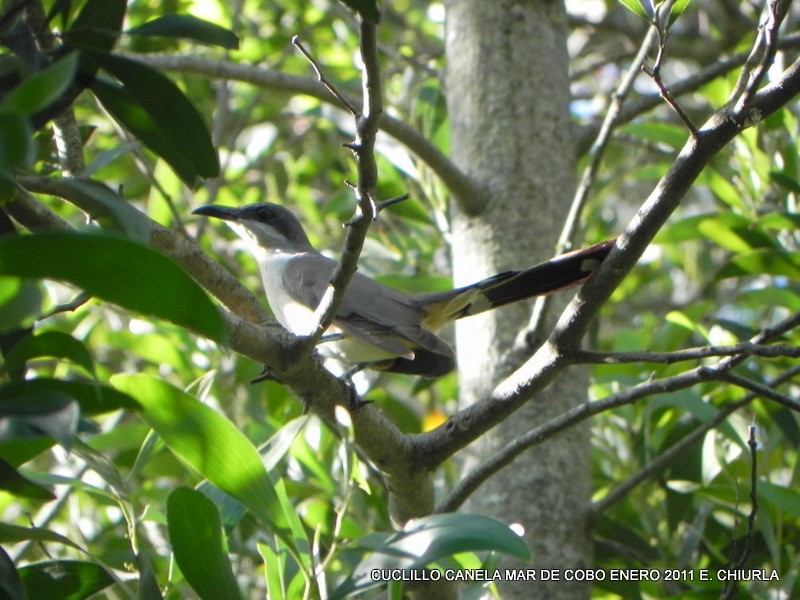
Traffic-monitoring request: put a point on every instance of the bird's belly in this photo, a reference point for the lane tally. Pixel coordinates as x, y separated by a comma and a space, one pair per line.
301, 320
352, 350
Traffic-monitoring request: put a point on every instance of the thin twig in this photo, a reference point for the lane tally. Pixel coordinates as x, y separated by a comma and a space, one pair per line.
70, 306
745, 348
344, 100
762, 390
660, 24
731, 586
760, 59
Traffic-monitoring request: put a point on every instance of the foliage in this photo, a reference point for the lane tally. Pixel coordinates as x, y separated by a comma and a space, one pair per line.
184, 480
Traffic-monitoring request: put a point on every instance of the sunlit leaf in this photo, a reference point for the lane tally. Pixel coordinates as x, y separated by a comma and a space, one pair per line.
43, 88
114, 269
210, 444
195, 532
426, 540
636, 7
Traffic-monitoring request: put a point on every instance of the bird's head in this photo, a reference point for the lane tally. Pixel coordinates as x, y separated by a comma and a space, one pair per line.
265, 226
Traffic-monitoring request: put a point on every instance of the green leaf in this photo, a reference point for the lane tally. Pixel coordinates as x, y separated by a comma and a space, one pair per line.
426, 540
786, 501
41, 89
148, 585
195, 532
105, 205
273, 571
367, 9
187, 26
637, 8
11, 481
114, 269
98, 24
673, 136
52, 412
64, 579
684, 320
153, 108
677, 10
20, 302
49, 343
762, 261
778, 220
15, 140
209, 444
724, 189
11, 587
786, 181
93, 398
11, 534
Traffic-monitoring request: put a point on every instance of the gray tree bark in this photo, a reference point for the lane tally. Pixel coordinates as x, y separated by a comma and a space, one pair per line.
508, 97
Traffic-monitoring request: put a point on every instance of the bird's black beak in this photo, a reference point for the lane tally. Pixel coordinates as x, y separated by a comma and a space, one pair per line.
220, 212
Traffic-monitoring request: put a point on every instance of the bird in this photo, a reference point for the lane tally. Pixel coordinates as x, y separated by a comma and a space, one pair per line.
378, 326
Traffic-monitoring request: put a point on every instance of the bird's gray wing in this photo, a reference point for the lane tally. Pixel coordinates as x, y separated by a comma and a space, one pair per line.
370, 311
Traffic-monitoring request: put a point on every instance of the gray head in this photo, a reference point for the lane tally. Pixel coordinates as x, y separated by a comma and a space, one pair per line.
270, 227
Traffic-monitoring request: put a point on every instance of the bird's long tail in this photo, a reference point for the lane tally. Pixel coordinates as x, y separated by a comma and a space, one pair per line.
555, 274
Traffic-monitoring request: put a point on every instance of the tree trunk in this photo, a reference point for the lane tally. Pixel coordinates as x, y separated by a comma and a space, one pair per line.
508, 98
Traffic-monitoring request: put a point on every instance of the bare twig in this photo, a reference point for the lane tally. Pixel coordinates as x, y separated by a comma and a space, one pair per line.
70, 306
638, 106
660, 24
762, 390
759, 60
344, 100
363, 148
731, 586
743, 348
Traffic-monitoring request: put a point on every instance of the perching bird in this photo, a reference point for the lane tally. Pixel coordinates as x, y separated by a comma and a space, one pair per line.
378, 325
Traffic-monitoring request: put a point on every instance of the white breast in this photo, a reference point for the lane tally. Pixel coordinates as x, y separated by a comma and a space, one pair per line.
291, 314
